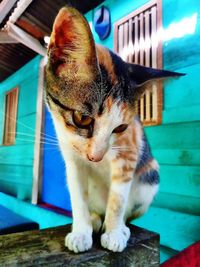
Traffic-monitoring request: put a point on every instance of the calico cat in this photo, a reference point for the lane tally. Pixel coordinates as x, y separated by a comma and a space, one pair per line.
91, 94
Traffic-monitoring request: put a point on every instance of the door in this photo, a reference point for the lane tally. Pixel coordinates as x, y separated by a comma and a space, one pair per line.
54, 185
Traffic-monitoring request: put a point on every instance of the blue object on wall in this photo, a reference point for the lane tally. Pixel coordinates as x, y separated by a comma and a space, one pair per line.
54, 185
102, 22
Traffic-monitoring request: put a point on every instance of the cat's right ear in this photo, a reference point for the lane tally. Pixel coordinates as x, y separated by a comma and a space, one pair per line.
72, 50
140, 76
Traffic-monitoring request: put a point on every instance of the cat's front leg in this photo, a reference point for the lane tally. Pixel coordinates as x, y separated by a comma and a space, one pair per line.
80, 239
116, 232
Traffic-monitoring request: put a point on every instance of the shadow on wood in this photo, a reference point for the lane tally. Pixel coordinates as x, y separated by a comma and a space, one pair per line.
46, 248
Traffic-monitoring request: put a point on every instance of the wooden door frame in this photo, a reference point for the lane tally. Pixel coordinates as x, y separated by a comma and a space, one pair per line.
38, 147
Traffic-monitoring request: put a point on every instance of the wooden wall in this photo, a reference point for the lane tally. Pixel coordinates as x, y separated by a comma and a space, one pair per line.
16, 161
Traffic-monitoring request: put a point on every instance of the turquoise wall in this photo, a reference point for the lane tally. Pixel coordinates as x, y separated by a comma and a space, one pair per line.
16, 161
175, 143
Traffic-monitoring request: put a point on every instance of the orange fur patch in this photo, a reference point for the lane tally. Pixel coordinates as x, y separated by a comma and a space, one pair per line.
114, 210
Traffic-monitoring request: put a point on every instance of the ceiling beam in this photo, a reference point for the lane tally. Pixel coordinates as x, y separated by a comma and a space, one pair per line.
25, 38
5, 7
20, 8
6, 39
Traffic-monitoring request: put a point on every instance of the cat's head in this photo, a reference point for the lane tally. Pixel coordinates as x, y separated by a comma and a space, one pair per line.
91, 92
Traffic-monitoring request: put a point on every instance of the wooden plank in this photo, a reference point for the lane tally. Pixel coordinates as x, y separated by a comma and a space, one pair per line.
19, 190
188, 157
45, 218
11, 181
148, 107
179, 136
37, 164
147, 39
46, 247
180, 203
142, 108
26, 39
26, 124
6, 39
136, 43
183, 90
5, 7
155, 101
21, 7
125, 45
154, 37
182, 180
130, 45
182, 229
181, 114
141, 39
120, 40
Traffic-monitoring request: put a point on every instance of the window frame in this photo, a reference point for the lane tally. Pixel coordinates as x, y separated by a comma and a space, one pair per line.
4, 141
159, 59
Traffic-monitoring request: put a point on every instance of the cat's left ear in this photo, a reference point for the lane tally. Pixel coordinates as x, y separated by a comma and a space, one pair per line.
72, 50
140, 75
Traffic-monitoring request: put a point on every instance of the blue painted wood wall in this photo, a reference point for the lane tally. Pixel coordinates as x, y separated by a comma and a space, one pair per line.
16, 161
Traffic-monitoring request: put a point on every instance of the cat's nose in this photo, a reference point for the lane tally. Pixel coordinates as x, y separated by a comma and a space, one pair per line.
95, 158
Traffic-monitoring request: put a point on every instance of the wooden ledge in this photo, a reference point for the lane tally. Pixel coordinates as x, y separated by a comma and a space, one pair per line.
46, 248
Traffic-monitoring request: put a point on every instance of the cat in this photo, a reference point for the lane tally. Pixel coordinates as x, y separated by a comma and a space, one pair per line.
91, 94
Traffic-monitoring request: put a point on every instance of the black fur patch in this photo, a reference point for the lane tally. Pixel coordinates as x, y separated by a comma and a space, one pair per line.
145, 155
151, 177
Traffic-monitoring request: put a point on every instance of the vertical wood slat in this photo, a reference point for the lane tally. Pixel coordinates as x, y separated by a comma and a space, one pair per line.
10, 117
6, 124
154, 62
154, 102
147, 39
120, 39
130, 41
147, 62
154, 37
136, 45
125, 48
148, 107
142, 108
141, 40
141, 61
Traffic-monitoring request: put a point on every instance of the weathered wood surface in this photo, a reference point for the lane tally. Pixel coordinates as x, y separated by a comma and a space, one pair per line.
46, 248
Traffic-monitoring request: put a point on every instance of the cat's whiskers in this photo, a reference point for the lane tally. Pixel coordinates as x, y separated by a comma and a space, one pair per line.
22, 134
43, 135
120, 148
39, 142
24, 125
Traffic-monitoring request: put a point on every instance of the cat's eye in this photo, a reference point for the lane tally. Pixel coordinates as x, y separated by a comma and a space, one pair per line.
81, 120
121, 128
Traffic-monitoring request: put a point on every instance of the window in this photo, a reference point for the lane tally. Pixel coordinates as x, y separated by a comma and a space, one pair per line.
11, 102
136, 41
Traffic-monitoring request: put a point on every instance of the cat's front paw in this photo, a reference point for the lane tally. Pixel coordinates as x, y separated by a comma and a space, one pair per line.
78, 242
116, 240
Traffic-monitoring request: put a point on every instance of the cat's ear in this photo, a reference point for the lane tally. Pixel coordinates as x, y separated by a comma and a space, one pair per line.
72, 50
140, 75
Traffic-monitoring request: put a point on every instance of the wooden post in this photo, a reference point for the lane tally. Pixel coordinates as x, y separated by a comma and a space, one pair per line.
46, 248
